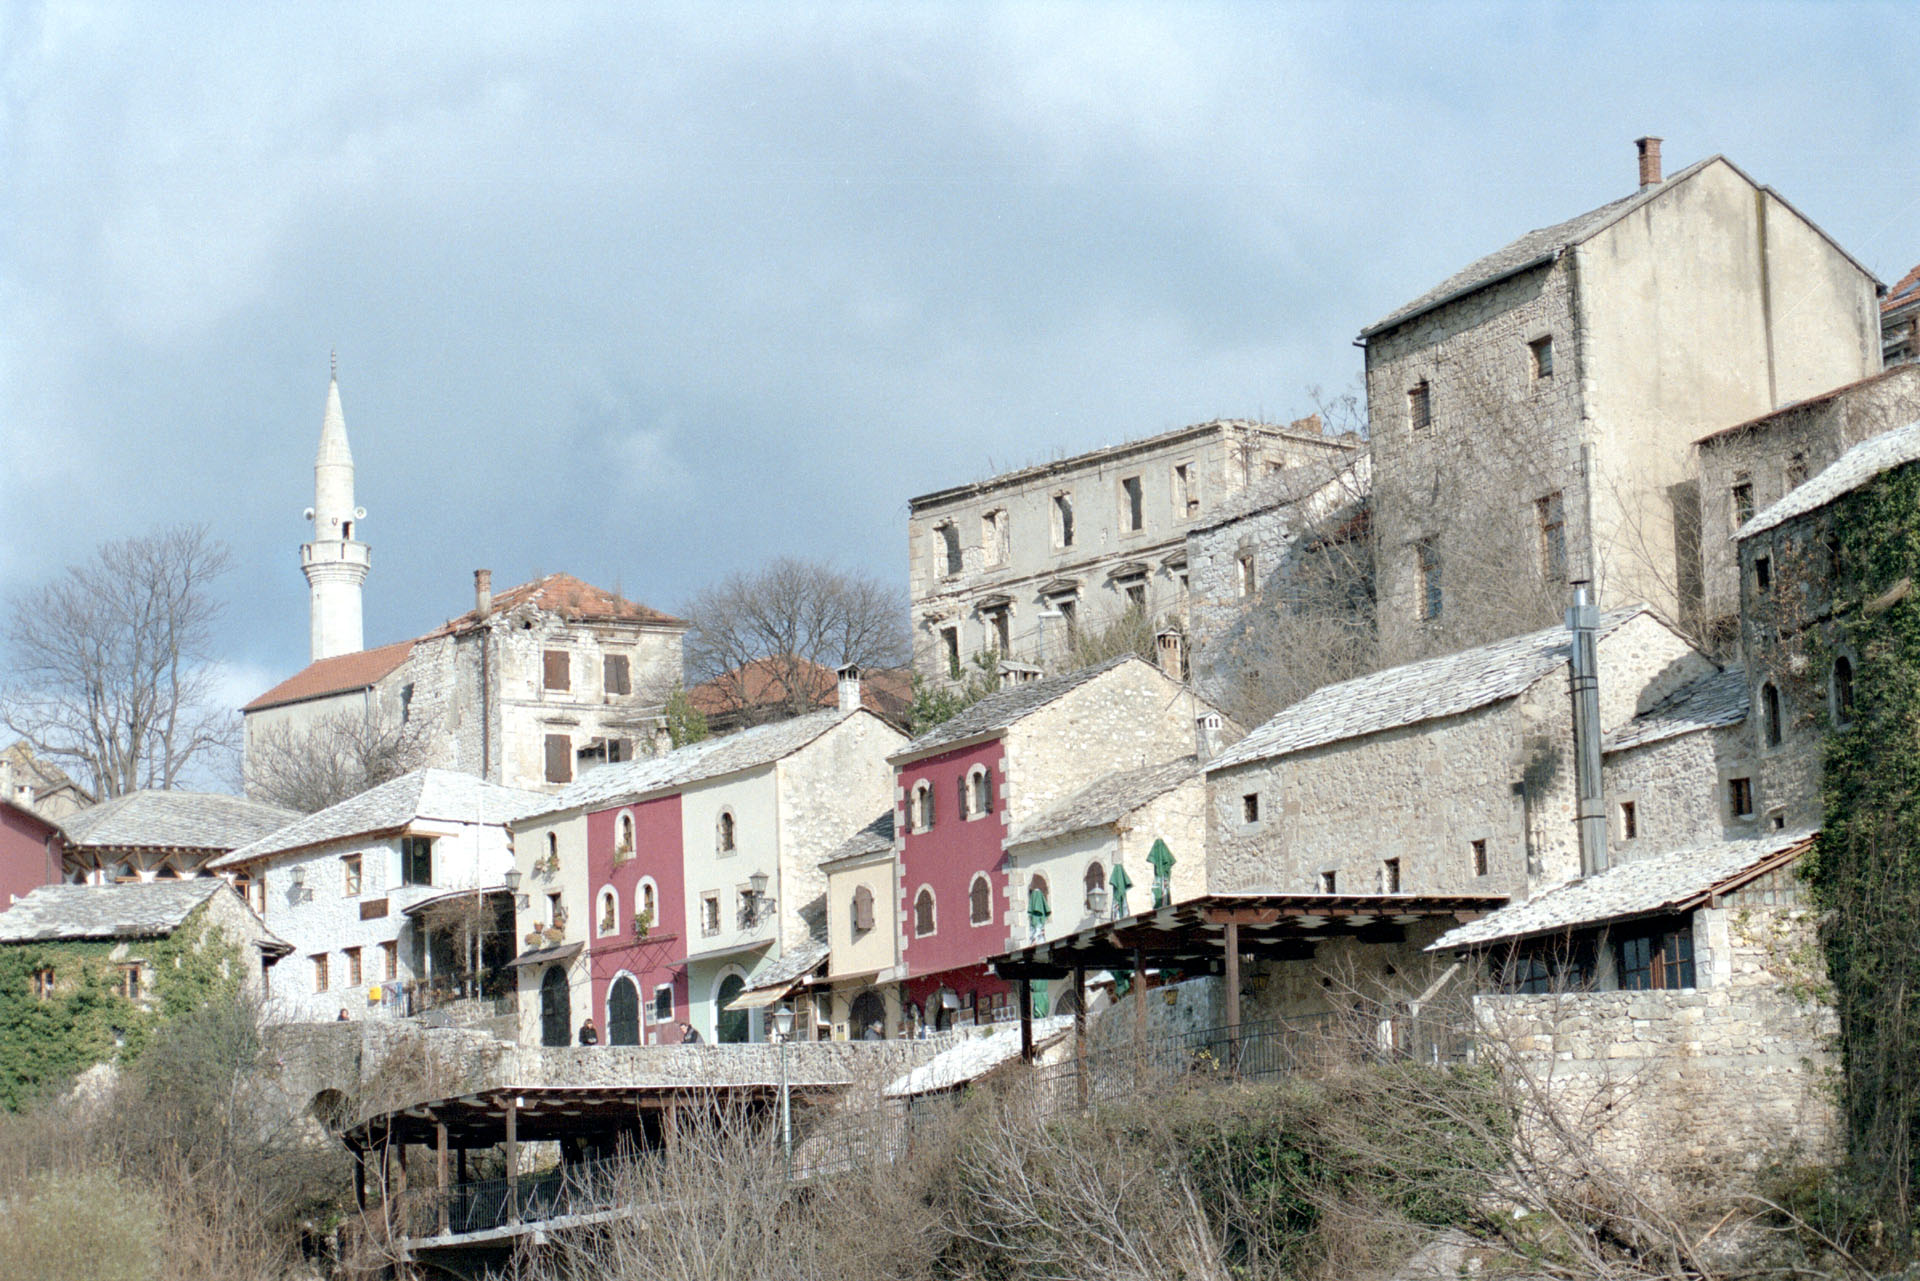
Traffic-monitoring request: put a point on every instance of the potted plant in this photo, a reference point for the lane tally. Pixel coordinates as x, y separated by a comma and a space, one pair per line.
642, 922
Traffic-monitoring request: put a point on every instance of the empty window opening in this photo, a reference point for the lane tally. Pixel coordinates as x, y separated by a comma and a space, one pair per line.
618, 674
923, 918
1250, 808
1763, 574
1420, 406
979, 901
1000, 627
1740, 797
1329, 882
1186, 496
1550, 512
950, 650
949, 548
1427, 561
709, 914
1390, 876
1796, 471
1063, 520
1245, 569
1068, 607
1133, 514
1135, 590
556, 672
1842, 690
1541, 352
993, 536
1770, 714
1479, 857
1629, 821
1742, 502
1777, 820
559, 758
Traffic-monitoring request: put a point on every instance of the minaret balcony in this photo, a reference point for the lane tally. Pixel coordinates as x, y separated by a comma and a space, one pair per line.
336, 553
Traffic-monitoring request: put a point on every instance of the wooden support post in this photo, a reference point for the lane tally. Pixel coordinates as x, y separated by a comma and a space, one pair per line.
673, 1126
1233, 995
463, 1164
1026, 1020
1080, 1032
513, 1158
1139, 1006
440, 1170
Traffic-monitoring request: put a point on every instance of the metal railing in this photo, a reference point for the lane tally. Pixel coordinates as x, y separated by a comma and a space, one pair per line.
482, 1204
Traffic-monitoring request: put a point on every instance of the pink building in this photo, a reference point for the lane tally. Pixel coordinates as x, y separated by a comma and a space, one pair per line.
30, 853
637, 950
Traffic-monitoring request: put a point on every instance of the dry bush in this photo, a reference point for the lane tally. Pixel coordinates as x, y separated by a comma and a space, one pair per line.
92, 1226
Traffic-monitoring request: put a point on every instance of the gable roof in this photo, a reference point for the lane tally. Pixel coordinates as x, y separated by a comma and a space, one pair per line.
1107, 800
762, 684
999, 710
1715, 700
875, 838
1903, 294
1848, 472
425, 793
138, 910
1675, 882
709, 758
570, 598
1422, 691
340, 674
173, 820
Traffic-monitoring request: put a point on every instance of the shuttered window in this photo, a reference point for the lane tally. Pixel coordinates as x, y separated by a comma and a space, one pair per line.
557, 674
619, 681
559, 758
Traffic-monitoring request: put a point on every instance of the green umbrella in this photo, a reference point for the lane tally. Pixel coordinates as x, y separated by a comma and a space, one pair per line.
1119, 883
1162, 860
1037, 911
1039, 996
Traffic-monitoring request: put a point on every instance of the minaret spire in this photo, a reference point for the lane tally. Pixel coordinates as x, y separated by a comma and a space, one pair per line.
335, 561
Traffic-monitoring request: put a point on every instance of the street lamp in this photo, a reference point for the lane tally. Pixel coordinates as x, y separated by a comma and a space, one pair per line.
512, 882
757, 887
783, 1028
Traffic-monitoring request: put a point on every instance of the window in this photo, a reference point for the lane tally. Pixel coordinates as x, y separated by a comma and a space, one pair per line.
320, 971
1833, 553
1250, 808
1186, 495
979, 901
862, 914
1796, 471
1742, 502
354, 974
1096, 883
663, 1003
923, 920
724, 834
1000, 627
1559, 965
1763, 574
43, 983
416, 860
649, 902
1659, 960
623, 837
993, 537
1427, 562
1740, 797
1550, 512
1135, 590
950, 651
1329, 882
555, 669
556, 910
948, 548
350, 869
1777, 820
1541, 350
559, 758
1063, 520
389, 961
1133, 516
617, 674
1770, 714
709, 914
920, 812
1479, 857
748, 907
609, 911
1842, 690
126, 980
980, 782
1069, 610
1629, 821
1246, 576
1419, 406
1390, 876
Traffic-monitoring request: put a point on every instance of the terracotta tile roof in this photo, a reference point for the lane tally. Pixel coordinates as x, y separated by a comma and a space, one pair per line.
567, 596
1907, 291
336, 675
762, 683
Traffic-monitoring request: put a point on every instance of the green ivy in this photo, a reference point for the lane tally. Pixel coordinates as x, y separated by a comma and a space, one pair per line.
45, 1043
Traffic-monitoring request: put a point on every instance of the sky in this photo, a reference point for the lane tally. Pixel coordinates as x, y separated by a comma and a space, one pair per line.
652, 294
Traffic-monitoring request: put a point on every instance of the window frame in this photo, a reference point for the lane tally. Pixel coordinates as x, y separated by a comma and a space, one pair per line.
322, 973
709, 913
1540, 357
610, 664
652, 1006
975, 899
1420, 406
1661, 952
556, 665
930, 919
609, 897
356, 968
1740, 792
352, 875
411, 849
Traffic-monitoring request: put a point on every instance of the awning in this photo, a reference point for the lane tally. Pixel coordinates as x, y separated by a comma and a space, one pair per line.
542, 955
761, 997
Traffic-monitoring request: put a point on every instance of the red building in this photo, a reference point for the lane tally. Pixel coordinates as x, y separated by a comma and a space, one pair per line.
30, 853
637, 952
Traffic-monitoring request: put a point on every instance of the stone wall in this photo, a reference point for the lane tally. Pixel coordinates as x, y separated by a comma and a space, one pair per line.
828, 791
1679, 788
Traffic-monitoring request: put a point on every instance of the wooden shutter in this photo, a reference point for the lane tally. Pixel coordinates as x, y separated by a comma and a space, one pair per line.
559, 758
618, 677
556, 674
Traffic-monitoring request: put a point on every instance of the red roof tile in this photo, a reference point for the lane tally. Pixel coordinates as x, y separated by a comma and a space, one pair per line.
887, 694
335, 675
1903, 293
567, 596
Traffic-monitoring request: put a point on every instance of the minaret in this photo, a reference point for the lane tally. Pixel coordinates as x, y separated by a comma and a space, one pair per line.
335, 562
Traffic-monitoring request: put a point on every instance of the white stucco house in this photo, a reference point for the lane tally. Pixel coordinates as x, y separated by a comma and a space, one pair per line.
394, 901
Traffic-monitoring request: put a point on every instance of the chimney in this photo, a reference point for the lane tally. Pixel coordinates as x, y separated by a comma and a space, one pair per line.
482, 592
1649, 161
849, 687
1583, 620
1169, 649
1206, 736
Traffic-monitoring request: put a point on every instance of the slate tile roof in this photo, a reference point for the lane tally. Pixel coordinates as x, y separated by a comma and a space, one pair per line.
336, 675
1668, 882
1107, 800
875, 838
999, 710
1422, 691
137, 910
1725, 435
173, 820
1848, 472
709, 758
790, 966
425, 793
1717, 699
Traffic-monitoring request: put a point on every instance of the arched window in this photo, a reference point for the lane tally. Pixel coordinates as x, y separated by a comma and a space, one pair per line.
923, 917
1770, 714
1842, 690
553, 845
980, 901
979, 790
609, 911
725, 840
862, 910
649, 902
921, 812
1096, 881
623, 839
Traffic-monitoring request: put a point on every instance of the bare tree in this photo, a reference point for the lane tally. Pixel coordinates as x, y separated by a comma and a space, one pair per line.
111, 663
308, 768
767, 642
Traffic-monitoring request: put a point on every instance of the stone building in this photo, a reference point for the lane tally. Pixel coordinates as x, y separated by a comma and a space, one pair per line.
1532, 415
1748, 467
1020, 563
719, 845
39, 786
394, 900
863, 944
157, 835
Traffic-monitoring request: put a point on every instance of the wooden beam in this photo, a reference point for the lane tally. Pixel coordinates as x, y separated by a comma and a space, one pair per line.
440, 1170
1232, 944
1026, 1021
1080, 1033
513, 1159
1241, 915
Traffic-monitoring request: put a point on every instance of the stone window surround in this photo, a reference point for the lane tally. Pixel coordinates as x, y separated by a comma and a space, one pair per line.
1480, 851
920, 807
709, 913
1618, 827
1249, 819
974, 898
1727, 775
607, 922
931, 917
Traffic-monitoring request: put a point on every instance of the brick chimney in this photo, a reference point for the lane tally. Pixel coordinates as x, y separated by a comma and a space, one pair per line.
849, 687
482, 592
1169, 648
1649, 161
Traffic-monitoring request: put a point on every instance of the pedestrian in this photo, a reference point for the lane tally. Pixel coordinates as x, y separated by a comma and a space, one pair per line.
343, 1016
688, 1036
589, 1035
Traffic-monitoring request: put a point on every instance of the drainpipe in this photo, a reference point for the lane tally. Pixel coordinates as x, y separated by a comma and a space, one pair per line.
1582, 621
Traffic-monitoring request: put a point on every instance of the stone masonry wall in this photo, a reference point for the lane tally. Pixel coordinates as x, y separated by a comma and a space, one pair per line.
1679, 790
828, 790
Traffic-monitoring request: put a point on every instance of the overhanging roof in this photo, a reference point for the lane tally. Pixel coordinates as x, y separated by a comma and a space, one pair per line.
1272, 926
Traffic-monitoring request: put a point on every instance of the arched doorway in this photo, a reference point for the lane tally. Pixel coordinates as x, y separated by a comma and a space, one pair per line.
623, 1013
556, 1007
730, 1027
868, 1009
